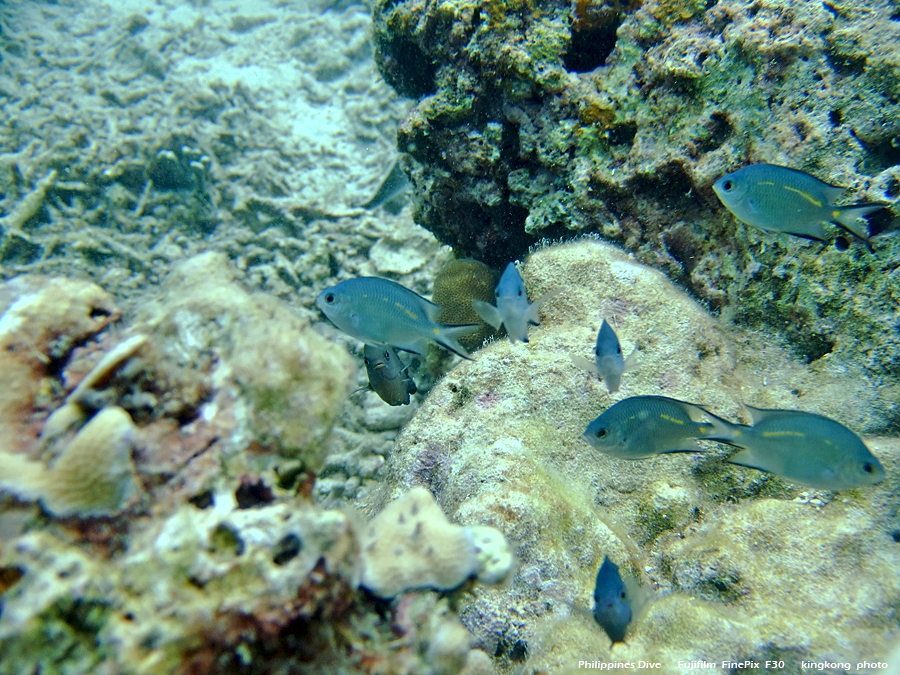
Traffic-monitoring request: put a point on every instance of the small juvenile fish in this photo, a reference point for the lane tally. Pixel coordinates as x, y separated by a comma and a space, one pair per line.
805, 448
609, 364
382, 312
388, 377
395, 183
639, 427
513, 310
612, 607
780, 199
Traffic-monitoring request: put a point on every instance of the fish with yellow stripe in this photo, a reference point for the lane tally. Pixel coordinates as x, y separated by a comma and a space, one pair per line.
805, 448
780, 199
801, 447
639, 427
382, 312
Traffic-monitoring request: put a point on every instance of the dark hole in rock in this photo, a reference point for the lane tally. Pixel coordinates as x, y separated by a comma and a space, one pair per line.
836, 116
253, 493
593, 40
892, 191
19, 251
287, 549
815, 346
203, 500
622, 134
844, 63
516, 651
895, 535
133, 177
225, 539
717, 130
84, 615
406, 67
99, 312
9, 576
841, 243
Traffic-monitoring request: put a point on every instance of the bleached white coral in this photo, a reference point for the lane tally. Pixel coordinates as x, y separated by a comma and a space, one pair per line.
412, 544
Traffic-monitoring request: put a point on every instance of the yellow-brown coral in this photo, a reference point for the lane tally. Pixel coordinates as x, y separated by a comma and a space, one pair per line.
42, 320
93, 476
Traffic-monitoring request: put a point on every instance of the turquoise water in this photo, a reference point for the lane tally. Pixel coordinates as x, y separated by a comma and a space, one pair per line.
179, 181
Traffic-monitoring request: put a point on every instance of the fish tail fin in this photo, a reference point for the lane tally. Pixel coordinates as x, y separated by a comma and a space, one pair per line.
488, 313
849, 216
447, 337
722, 430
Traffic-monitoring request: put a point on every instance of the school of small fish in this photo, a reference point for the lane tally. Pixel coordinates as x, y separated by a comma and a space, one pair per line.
802, 447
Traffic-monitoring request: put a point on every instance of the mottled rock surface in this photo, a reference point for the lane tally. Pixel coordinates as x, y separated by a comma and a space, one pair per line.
544, 118
499, 443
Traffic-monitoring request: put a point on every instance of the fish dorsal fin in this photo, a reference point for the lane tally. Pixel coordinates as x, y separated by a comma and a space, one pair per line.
757, 414
432, 311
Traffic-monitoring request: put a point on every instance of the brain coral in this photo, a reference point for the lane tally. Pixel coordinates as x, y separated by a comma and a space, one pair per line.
544, 118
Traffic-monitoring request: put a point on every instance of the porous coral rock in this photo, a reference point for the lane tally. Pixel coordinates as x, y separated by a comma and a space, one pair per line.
510, 425
43, 319
411, 544
281, 386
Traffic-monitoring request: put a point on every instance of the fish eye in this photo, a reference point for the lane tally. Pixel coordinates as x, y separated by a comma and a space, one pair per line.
366, 361
868, 467
387, 356
601, 433
728, 185
329, 298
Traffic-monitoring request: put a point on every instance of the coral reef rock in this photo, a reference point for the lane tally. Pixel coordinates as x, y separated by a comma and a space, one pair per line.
542, 118
43, 319
284, 383
411, 544
499, 443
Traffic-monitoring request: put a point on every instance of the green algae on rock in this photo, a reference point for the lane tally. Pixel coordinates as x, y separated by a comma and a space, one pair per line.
498, 442
537, 119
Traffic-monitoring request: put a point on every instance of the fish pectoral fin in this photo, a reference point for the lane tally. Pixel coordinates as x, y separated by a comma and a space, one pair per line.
415, 346
745, 457
534, 308
488, 313
632, 362
585, 364
684, 446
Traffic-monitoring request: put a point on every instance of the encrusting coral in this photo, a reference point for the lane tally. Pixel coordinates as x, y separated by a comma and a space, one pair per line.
42, 321
411, 544
499, 442
92, 476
